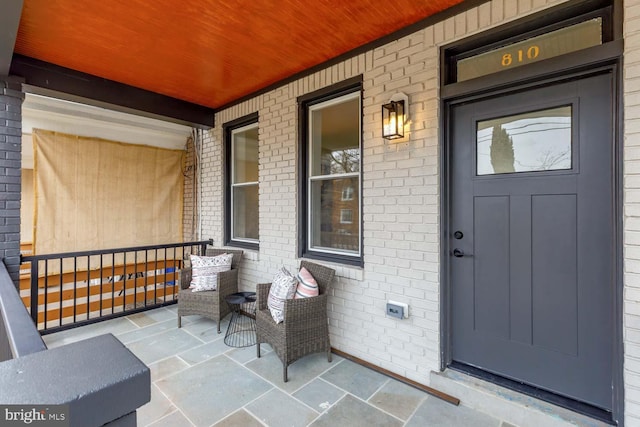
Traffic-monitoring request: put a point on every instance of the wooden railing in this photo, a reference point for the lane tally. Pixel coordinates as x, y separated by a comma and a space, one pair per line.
71, 289
26, 248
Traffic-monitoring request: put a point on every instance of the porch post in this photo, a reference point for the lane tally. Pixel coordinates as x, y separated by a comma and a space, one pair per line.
11, 97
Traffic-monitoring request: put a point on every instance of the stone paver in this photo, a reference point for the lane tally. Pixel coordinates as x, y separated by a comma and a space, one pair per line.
198, 381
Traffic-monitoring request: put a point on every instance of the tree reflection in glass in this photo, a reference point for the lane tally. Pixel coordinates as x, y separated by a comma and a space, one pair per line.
529, 142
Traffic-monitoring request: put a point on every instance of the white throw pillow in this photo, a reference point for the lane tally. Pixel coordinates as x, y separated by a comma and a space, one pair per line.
205, 269
283, 287
205, 283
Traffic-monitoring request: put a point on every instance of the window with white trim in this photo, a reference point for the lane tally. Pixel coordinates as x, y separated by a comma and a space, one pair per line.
242, 190
346, 216
332, 169
347, 193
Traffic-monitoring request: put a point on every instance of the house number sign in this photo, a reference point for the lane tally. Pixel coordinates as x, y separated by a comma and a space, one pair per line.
554, 43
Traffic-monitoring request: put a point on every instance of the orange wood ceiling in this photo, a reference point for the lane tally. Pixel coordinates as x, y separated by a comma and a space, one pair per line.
209, 52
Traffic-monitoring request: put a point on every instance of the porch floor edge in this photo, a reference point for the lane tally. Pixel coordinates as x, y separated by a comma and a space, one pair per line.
511, 406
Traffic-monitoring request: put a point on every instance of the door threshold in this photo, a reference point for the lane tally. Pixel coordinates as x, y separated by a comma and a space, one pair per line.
536, 393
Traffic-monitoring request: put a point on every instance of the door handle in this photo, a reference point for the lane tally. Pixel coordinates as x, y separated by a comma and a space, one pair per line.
459, 253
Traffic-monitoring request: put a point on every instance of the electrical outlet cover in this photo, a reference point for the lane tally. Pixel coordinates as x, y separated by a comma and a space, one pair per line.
394, 310
403, 309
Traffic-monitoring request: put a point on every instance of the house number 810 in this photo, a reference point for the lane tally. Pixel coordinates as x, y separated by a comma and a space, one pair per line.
531, 53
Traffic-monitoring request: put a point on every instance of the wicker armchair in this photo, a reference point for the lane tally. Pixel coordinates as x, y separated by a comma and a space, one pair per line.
305, 328
210, 304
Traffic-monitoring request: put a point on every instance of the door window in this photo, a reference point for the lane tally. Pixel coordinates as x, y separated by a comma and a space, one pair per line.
530, 142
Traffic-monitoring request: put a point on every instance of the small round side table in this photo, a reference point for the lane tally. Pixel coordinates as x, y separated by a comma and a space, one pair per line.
242, 326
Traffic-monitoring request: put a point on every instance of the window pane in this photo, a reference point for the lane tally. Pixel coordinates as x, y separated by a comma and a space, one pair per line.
245, 212
245, 156
335, 138
346, 216
534, 141
347, 193
334, 221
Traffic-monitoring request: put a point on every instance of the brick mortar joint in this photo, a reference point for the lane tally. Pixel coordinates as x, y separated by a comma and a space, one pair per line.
12, 92
13, 83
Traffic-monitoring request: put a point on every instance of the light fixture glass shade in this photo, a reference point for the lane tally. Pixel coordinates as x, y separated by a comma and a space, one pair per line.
393, 120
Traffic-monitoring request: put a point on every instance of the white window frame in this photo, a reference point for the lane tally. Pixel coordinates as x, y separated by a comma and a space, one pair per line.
347, 193
233, 185
313, 178
342, 216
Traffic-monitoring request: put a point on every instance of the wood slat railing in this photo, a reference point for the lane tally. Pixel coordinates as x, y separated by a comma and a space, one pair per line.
56, 279
59, 298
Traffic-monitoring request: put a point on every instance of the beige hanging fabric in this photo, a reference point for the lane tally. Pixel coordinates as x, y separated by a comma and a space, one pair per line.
26, 207
93, 193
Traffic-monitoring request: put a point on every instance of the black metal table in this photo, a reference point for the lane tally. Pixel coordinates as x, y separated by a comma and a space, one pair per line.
242, 326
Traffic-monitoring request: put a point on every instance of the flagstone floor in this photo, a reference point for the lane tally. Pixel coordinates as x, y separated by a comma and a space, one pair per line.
198, 381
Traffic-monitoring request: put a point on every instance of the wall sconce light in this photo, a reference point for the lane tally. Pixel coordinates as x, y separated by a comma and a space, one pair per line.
394, 116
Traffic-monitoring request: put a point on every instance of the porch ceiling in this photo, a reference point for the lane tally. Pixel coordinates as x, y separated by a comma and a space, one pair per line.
208, 52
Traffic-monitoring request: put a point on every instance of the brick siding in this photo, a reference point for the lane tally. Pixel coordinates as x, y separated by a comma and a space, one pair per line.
11, 98
631, 195
401, 223
401, 196
189, 220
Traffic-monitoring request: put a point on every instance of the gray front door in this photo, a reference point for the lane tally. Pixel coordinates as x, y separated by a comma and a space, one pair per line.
532, 237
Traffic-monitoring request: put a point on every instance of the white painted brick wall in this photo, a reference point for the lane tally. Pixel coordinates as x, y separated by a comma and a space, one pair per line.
631, 195
401, 196
188, 220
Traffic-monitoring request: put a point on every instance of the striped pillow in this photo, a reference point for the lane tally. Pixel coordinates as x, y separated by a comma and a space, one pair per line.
283, 287
307, 285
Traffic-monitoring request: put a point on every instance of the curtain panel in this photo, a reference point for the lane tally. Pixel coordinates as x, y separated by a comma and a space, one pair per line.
92, 193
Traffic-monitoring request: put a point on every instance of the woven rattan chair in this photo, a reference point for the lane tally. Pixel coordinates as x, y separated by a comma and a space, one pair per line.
210, 304
305, 328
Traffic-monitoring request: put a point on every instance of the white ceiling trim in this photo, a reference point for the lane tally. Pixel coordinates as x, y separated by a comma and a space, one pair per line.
39, 112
